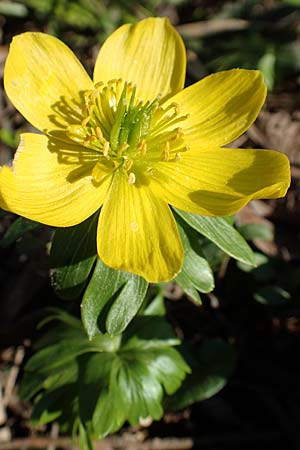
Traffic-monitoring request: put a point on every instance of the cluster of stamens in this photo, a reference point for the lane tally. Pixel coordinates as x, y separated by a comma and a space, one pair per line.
125, 132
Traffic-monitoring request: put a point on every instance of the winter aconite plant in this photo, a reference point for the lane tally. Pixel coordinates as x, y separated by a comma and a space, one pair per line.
132, 142
115, 155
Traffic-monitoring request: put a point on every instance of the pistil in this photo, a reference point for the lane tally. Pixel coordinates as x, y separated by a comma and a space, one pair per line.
126, 132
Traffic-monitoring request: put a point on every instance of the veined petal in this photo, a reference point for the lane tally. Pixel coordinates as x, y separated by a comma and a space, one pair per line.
221, 106
149, 53
137, 232
49, 183
218, 182
43, 79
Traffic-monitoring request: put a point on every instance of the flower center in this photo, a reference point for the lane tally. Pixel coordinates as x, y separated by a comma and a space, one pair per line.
126, 132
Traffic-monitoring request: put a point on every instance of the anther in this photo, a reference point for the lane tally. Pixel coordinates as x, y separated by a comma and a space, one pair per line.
178, 157
176, 107
99, 133
131, 178
122, 149
90, 139
86, 121
166, 151
178, 133
142, 147
128, 164
99, 84
105, 148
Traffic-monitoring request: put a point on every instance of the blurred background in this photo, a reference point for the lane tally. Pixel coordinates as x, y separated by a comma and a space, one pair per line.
256, 311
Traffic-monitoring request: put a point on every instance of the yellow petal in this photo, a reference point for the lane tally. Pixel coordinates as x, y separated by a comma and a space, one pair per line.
43, 79
222, 106
220, 181
47, 185
149, 53
137, 232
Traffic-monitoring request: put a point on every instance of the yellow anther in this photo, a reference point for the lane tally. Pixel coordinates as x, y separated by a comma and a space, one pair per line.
178, 157
113, 81
122, 149
99, 133
128, 164
86, 121
166, 152
176, 107
131, 178
90, 139
150, 171
186, 148
178, 133
142, 147
99, 84
105, 148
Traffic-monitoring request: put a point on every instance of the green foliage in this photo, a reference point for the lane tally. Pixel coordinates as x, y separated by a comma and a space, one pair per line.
252, 231
196, 274
73, 254
8, 137
17, 229
93, 386
221, 233
212, 365
111, 300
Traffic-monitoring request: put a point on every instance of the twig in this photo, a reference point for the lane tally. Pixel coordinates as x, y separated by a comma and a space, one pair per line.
205, 27
12, 376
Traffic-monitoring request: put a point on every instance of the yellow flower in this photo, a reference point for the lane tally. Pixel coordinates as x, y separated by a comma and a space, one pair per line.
133, 142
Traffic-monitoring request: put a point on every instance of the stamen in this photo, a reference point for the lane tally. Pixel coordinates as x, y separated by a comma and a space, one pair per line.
99, 84
166, 151
99, 133
142, 147
86, 121
122, 149
131, 178
105, 149
178, 157
128, 164
179, 134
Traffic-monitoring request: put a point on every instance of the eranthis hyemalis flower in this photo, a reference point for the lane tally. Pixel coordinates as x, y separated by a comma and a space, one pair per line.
132, 142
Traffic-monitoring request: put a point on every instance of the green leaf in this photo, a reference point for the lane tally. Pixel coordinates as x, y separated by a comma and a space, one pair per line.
9, 8
272, 296
157, 305
221, 233
17, 229
95, 389
8, 137
111, 300
196, 273
266, 65
73, 254
211, 368
252, 231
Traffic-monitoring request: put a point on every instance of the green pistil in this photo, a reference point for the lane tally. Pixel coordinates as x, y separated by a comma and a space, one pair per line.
119, 119
132, 122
